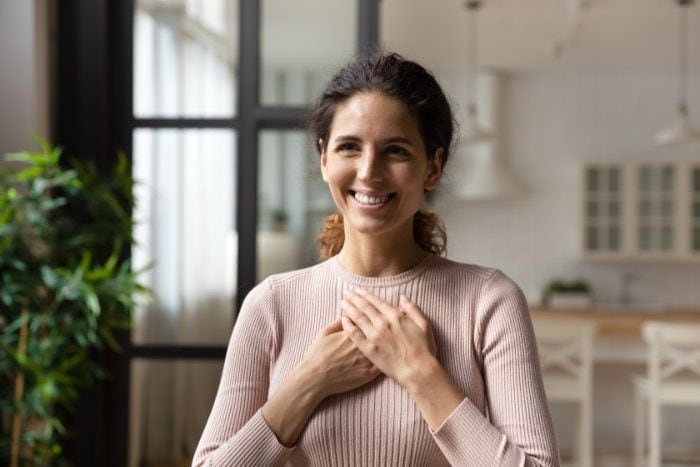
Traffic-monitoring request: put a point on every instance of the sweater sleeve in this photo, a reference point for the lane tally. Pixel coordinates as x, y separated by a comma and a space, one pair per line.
236, 432
518, 430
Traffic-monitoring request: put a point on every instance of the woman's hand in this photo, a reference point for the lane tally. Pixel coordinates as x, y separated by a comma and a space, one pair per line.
332, 365
401, 344
397, 341
335, 364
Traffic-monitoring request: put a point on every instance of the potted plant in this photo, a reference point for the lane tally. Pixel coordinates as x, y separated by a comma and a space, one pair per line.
568, 294
65, 285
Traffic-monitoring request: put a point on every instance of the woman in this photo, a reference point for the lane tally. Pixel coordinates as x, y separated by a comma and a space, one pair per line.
385, 353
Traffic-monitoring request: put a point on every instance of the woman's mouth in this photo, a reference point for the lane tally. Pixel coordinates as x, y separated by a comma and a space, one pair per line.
371, 200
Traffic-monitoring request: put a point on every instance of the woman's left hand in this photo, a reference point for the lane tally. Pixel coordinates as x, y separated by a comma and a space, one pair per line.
396, 341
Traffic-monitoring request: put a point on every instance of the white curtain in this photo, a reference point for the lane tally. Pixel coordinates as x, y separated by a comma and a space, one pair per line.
185, 223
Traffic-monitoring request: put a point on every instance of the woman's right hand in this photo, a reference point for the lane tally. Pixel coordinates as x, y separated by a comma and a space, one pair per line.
331, 365
335, 364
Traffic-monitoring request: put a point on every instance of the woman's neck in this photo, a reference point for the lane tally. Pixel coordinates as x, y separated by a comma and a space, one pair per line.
374, 258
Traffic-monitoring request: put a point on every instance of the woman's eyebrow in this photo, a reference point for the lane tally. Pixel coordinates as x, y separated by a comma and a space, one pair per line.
398, 139
391, 139
346, 138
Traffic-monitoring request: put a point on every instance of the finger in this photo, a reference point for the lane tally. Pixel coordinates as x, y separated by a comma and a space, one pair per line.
356, 316
380, 305
363, 305
412, 311
335, 326
353, 332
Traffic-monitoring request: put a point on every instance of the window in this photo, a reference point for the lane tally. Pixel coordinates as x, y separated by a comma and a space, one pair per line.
219, 92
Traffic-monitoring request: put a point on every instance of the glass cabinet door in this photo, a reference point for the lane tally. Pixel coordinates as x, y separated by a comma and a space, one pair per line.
603, 209
695, 210
656, 217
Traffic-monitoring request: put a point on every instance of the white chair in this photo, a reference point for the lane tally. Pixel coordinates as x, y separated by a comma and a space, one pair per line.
673, 378
566, 358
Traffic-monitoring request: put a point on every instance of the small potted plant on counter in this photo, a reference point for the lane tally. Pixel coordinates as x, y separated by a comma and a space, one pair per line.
568, 294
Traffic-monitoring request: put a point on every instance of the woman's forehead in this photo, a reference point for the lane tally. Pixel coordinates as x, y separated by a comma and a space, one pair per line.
373, 115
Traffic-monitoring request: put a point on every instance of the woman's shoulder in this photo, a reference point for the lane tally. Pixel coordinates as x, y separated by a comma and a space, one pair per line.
486, 276
291, 279
468, 270
297, 276
267, 290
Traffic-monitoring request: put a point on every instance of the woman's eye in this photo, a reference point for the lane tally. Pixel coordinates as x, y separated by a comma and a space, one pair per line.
398, 150
346, 147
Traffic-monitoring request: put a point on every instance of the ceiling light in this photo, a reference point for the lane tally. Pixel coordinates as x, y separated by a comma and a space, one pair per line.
681, 132
473, 133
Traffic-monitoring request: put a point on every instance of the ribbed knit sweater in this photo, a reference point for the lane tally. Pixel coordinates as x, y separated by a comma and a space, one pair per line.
484, 340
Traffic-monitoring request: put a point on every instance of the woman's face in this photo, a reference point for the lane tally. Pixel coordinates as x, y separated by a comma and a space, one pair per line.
376, 166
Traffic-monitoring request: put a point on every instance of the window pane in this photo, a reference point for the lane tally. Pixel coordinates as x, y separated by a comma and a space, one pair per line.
292, 202
303, 42
186, 228
592, 238
592, 209
614, 180
169, 405
592, 179
644, 238
645, 179
667, 177
185, 58
614, 238
666, 238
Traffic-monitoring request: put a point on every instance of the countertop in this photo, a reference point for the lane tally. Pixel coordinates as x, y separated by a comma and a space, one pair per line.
621, 322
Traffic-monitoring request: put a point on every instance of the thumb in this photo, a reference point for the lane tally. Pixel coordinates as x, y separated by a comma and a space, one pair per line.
335, 326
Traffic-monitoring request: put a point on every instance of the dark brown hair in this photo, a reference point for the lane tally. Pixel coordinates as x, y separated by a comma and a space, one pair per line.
416, 88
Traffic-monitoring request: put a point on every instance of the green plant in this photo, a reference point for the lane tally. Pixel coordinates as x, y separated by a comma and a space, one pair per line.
576, 286
65, 286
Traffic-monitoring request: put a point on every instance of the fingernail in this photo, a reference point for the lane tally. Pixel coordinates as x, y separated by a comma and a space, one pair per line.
343, 304
402, 298
346, 293
361, 291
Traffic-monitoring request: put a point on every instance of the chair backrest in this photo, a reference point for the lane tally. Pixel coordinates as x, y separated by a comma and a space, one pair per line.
566, 346
674, 349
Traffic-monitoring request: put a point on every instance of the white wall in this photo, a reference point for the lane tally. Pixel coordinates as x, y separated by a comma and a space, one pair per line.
22, 76
554, 123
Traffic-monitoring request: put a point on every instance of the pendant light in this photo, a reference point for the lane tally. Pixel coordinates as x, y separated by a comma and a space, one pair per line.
681, 132
473, 133
485, 173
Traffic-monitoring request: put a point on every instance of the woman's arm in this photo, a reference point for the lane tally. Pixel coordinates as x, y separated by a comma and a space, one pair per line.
518, 430
332, 365
246, 428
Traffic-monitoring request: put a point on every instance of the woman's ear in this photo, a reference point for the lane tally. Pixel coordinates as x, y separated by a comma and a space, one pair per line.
324, 159
434, 172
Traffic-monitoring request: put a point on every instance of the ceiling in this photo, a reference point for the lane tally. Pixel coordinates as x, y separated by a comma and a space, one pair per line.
519, 35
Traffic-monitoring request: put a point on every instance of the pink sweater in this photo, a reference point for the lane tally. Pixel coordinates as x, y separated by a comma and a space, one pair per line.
485, 341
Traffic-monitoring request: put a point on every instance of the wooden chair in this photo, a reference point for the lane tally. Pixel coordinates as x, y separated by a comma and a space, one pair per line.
673, 378
566, 358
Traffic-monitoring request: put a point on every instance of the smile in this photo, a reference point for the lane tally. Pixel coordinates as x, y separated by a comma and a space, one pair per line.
371, 200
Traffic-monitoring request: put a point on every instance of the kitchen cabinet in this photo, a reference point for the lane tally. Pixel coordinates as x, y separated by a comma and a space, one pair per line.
642, 211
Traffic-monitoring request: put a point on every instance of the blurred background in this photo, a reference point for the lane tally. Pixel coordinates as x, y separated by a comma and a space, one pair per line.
572, 193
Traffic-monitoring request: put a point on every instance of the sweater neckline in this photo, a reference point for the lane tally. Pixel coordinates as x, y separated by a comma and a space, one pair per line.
386, 281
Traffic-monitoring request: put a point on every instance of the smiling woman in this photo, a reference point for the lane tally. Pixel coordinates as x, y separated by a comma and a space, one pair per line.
385, 353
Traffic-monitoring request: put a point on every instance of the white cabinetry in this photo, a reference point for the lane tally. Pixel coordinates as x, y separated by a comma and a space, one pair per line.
642, 210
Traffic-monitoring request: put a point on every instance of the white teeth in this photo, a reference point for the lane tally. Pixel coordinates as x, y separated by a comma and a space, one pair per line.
364, 199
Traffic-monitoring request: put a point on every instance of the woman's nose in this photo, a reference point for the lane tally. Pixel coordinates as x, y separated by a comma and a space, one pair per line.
370, 168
